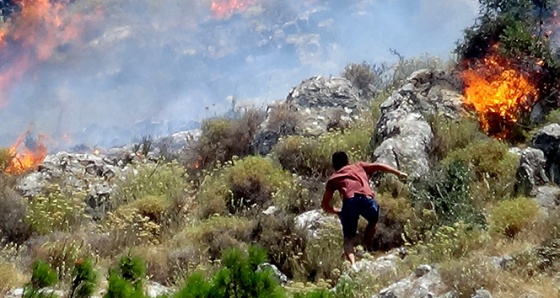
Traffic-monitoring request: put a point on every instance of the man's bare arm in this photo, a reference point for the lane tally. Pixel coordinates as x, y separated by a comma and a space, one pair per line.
326, 204
370, 168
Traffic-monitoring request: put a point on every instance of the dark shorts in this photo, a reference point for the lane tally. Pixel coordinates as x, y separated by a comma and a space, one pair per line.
352, 209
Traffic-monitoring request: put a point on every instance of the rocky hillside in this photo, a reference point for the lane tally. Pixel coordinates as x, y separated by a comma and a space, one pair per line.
478, 217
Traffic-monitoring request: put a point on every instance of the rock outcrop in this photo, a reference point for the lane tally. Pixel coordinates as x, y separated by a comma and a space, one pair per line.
403, 136
318, 104
547, 140
531, 172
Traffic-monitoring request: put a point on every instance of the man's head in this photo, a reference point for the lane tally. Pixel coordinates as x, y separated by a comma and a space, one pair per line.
339, 160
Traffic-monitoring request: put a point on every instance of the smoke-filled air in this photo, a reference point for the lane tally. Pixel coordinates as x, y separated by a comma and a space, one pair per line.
102, 72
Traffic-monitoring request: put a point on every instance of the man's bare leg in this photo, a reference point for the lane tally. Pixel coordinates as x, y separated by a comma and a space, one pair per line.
349, 250
368, 235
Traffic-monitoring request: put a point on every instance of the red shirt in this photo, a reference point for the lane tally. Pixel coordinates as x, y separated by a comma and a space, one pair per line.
350, 180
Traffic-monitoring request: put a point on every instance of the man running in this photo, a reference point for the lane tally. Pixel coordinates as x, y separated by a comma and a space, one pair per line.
352, 182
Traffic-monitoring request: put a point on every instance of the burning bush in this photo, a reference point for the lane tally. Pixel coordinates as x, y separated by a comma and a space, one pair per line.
508, 65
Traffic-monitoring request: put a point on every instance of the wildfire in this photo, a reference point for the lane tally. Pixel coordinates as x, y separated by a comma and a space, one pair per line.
225, 8
28, 153
498, 93
33, 35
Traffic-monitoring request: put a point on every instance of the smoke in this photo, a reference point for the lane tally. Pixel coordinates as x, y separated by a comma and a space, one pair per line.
154, 67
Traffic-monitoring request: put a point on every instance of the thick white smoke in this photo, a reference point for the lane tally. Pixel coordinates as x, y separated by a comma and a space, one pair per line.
152, 67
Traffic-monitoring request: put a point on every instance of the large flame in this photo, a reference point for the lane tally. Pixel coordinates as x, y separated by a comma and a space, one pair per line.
28, 153
225, 8
33, 35
498, 93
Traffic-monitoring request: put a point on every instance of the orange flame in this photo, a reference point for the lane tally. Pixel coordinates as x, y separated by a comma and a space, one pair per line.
26, 158
225, 8
33, 35
498, 93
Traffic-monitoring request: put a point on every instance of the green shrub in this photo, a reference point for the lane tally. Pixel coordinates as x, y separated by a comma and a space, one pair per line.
247, 186
127, 279
162, 180
492, 168
312, 156
61, 254
56, 210
240, 277
128, 227
452, 134
510, 217
447, 192
447, 243
322, 255
282, 239
553, 117
43, 276
84, 279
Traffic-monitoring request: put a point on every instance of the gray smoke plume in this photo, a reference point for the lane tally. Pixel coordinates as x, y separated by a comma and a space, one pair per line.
154, 67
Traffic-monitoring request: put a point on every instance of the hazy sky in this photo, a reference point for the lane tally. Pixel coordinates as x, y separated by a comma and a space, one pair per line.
175, 60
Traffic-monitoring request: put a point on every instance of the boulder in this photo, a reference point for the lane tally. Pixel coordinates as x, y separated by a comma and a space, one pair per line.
531, 172
548, 197
482, 294
280, 277
423, 283
318, 104
547, 139
311, 223
380, 266
403, 136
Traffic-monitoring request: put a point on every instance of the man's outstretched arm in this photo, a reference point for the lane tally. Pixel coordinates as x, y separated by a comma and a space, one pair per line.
326, 204
370, 168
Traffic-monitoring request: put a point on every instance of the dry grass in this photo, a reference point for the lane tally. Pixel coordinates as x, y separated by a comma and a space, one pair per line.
10, 277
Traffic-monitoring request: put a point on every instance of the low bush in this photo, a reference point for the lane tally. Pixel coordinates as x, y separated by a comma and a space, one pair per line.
128, 227
395, 213
84, 279
467, 276
57, 210
447, 192
362, 76
61, 255
43, 276
492, 168
223, 138
13, 227
510, 217
283, 241
284, 120
126, 280
164, 181
10, 277
447, 243
217, 233
247, 186
6, 158
311, 156
240, 276
452, 134
322, 256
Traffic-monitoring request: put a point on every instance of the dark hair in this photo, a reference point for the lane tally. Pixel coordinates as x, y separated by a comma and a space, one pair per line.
339, 160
